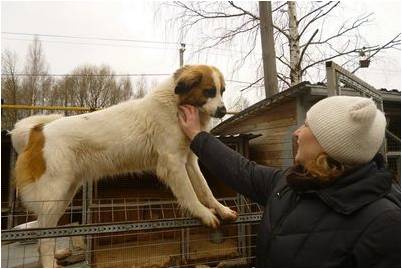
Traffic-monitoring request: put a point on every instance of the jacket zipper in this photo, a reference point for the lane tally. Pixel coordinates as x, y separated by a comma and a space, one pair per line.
282, 219
279, 195
282, 191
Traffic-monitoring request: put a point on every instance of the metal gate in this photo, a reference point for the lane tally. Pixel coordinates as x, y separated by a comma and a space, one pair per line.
339, 78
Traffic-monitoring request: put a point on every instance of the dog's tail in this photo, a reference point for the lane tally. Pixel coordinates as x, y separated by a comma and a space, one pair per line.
22, 129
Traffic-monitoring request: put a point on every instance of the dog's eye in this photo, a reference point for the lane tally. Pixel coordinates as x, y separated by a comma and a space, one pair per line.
210, 92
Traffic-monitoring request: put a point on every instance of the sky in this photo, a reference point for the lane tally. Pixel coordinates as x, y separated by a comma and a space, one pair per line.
141, 21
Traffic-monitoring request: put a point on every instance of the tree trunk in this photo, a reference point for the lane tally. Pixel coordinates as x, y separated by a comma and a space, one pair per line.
294, 46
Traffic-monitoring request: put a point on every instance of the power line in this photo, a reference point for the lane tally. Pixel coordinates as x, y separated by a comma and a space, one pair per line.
105, 75
84, 75
114, 45
123, 40
92, 38
90, 44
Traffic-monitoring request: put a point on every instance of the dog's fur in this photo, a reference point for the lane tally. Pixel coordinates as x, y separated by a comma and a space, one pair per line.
56, 153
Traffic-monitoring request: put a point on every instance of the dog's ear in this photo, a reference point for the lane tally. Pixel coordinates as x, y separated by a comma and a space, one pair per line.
186, 79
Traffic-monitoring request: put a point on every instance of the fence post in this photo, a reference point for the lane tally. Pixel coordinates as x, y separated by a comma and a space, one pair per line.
332, 83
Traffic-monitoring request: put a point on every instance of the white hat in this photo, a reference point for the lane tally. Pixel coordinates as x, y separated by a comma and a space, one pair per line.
350, 129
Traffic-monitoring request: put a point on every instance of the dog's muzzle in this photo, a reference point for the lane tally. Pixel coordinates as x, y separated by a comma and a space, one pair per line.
220, 112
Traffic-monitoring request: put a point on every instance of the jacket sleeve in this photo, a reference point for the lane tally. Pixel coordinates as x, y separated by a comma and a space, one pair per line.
380, 243
244, 176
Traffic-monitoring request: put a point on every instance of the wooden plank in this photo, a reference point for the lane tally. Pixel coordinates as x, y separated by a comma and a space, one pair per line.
279, 132
158, 253
272, 113
257, 127
270, 147
203, 249
274, 139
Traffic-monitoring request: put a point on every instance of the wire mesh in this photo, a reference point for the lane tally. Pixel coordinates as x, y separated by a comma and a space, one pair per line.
169, 245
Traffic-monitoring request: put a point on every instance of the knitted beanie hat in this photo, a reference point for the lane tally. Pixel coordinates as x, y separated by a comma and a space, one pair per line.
350, 129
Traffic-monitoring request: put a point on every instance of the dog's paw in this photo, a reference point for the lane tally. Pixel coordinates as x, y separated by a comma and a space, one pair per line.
226, 213
209, 218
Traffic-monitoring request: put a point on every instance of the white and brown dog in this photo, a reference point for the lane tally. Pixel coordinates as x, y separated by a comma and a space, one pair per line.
56, 153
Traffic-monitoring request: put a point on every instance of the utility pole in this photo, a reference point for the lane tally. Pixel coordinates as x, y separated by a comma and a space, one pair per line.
181, 50
268, 49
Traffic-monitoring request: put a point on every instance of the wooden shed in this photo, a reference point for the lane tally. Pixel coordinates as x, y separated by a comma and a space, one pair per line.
278, 116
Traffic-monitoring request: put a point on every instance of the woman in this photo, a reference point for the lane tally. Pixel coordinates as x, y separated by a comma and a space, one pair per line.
336, 207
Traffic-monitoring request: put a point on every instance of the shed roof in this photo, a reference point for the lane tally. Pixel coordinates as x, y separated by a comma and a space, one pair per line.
304, 87
291, 92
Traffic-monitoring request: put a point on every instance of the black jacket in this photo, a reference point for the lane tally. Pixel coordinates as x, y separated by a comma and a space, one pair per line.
354, 222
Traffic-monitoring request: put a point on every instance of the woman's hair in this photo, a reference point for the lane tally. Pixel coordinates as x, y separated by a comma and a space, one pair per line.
324, 168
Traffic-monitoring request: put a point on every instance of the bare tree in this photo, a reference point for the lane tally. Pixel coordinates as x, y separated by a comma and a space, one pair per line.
86, 86
62, 93
9, 79
10, 85
239, 104
140, 88
36, 82
303, 42
91, 86
122, 92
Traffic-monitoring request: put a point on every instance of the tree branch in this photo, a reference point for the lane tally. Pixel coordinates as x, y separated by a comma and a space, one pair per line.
392, 42
313, 11
359, 22
252, 84
305, 48
284, 79
338, 55
244, 11
319, 15
218, 14
276, 9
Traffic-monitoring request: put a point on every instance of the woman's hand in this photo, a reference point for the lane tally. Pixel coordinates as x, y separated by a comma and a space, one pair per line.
189, 120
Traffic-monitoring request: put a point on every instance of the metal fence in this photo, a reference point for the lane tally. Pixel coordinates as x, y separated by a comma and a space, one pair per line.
132, 233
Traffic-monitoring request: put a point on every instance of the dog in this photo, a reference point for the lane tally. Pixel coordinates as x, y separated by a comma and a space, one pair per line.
57, 154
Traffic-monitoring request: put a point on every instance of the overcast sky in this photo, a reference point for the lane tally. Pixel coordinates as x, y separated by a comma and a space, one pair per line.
136, 20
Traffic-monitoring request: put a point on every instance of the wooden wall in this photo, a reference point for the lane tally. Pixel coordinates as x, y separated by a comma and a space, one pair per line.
393, 113
276, 125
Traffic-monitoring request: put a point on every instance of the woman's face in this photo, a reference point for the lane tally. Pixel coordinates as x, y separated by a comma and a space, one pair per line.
308, 147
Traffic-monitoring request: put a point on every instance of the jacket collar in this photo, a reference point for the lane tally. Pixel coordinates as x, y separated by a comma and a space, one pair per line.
360, 187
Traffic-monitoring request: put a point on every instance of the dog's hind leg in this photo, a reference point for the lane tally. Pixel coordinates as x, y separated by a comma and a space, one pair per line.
203, 191
171, 169
49, 207
49, 217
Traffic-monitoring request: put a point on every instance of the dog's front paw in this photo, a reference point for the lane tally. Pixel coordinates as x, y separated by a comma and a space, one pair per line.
209, 219
226, 213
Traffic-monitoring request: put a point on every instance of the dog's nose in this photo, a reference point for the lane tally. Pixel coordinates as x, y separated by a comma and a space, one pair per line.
220, 112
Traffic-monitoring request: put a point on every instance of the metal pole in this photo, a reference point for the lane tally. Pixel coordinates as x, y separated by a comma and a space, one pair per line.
185, 233
268, 49
181, 50
11, 191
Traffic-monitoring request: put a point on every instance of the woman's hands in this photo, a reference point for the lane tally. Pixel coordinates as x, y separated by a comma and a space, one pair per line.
189, 120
